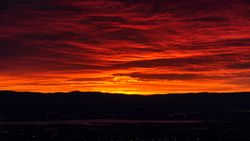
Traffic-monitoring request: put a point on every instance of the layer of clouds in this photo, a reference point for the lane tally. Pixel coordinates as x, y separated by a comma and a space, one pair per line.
185, 40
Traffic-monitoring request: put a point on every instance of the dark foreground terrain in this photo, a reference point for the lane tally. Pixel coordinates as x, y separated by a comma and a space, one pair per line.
126, 132
80, 116
77, 105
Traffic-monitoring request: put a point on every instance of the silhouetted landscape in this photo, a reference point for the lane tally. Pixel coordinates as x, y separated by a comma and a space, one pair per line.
16, 106
102, 116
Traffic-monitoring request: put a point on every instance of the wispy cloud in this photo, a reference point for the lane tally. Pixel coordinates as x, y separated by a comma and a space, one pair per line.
140, 40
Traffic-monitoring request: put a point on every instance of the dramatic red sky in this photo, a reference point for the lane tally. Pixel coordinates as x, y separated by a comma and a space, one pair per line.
125, 46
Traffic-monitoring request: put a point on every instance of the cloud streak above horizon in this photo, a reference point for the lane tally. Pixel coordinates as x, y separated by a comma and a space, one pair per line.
139, 46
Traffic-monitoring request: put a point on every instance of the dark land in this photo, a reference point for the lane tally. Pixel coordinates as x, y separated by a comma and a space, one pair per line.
94, 116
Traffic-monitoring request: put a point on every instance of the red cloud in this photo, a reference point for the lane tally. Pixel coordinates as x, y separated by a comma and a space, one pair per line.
155, 41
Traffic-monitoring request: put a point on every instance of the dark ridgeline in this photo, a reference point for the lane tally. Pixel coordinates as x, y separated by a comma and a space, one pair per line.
94, 105
220, 117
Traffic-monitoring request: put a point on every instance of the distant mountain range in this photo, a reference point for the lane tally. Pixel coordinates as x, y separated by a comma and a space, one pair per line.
96, 105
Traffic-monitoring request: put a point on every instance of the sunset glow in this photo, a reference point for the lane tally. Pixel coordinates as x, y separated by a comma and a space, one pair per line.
125, 46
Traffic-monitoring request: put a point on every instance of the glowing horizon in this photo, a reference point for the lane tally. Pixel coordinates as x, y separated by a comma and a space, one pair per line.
124, 46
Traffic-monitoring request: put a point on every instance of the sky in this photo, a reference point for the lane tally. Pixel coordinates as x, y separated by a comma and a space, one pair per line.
125, 46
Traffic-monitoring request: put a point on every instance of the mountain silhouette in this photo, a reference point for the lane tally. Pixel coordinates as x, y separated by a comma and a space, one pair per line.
96, 105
